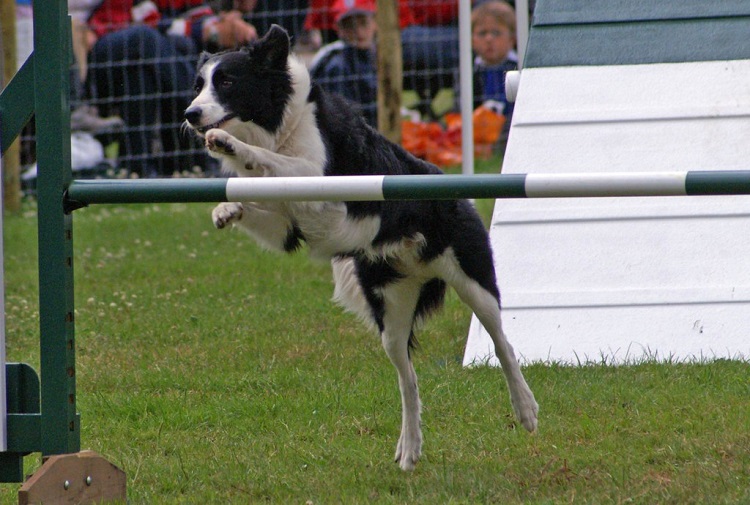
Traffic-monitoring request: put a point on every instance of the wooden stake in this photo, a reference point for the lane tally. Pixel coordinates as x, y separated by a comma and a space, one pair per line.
390, 70
81, 478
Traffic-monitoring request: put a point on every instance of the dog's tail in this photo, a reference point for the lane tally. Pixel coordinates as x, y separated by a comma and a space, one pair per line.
348, 292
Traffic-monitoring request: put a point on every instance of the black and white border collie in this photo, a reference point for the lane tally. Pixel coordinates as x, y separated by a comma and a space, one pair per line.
261, 116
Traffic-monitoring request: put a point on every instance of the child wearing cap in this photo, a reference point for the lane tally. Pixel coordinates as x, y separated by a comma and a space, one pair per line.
349, 66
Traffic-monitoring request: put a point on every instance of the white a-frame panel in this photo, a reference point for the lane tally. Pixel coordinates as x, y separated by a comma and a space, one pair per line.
620, 279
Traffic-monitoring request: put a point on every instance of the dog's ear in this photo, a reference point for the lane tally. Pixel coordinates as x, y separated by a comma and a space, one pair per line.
205, 55
274, 47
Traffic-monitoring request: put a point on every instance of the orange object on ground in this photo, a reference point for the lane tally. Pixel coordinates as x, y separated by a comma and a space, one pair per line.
430, 141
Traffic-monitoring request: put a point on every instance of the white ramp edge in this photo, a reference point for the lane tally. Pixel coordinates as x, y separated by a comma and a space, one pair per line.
620, 280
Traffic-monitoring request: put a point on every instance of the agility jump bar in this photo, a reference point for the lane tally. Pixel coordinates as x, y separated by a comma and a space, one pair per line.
408, 187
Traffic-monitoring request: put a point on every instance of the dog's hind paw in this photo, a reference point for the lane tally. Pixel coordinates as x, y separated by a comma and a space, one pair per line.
408, 451
225, 213
526, 409
220, 142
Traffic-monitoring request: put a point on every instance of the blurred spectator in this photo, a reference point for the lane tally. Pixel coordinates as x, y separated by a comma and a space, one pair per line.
229, 28
141, 66
429, 41
429, 34
289, 14
429, 30
320, 18
348, 66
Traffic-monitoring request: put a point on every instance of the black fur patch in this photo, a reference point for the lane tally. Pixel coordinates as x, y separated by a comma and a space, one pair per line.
430, 298
293, 239
372, 276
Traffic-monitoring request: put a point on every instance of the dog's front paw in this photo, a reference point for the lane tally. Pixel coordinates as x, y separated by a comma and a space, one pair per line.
220, 142
225, 213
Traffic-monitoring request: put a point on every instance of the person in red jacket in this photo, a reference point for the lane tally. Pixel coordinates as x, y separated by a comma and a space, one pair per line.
429, 41
421, 22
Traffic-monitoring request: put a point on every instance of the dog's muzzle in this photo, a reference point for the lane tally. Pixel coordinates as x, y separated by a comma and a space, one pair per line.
193, 117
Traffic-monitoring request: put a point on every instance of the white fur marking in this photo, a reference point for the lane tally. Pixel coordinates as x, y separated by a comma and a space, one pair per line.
400, 301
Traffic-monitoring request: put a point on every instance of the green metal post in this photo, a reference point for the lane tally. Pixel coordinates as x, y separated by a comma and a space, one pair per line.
60, 430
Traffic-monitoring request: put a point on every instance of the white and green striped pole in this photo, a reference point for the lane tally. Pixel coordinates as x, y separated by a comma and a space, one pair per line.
408, 187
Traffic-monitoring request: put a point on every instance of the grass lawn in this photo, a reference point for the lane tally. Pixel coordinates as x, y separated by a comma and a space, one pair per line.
214, 372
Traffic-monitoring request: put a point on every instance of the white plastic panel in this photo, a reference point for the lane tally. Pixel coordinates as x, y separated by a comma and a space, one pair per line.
625, 278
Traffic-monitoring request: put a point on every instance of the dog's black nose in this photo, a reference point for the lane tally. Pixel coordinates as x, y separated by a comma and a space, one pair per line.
193, 115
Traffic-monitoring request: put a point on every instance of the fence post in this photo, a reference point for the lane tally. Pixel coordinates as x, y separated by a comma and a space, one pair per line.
19, 383
60, 430
390, 71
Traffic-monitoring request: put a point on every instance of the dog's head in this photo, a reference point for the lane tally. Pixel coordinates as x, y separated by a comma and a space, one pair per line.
251, 84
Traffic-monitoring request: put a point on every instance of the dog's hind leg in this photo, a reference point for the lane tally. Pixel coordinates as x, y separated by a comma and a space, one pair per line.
486, 306
399, 303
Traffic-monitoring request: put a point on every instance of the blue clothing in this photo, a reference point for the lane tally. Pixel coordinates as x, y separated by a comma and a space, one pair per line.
350, 72
489, 83
430, 48
146, 78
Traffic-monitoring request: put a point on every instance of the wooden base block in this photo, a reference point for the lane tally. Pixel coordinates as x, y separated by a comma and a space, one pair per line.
83, 477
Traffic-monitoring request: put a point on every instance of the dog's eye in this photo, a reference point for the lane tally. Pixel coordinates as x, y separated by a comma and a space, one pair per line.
226, 83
